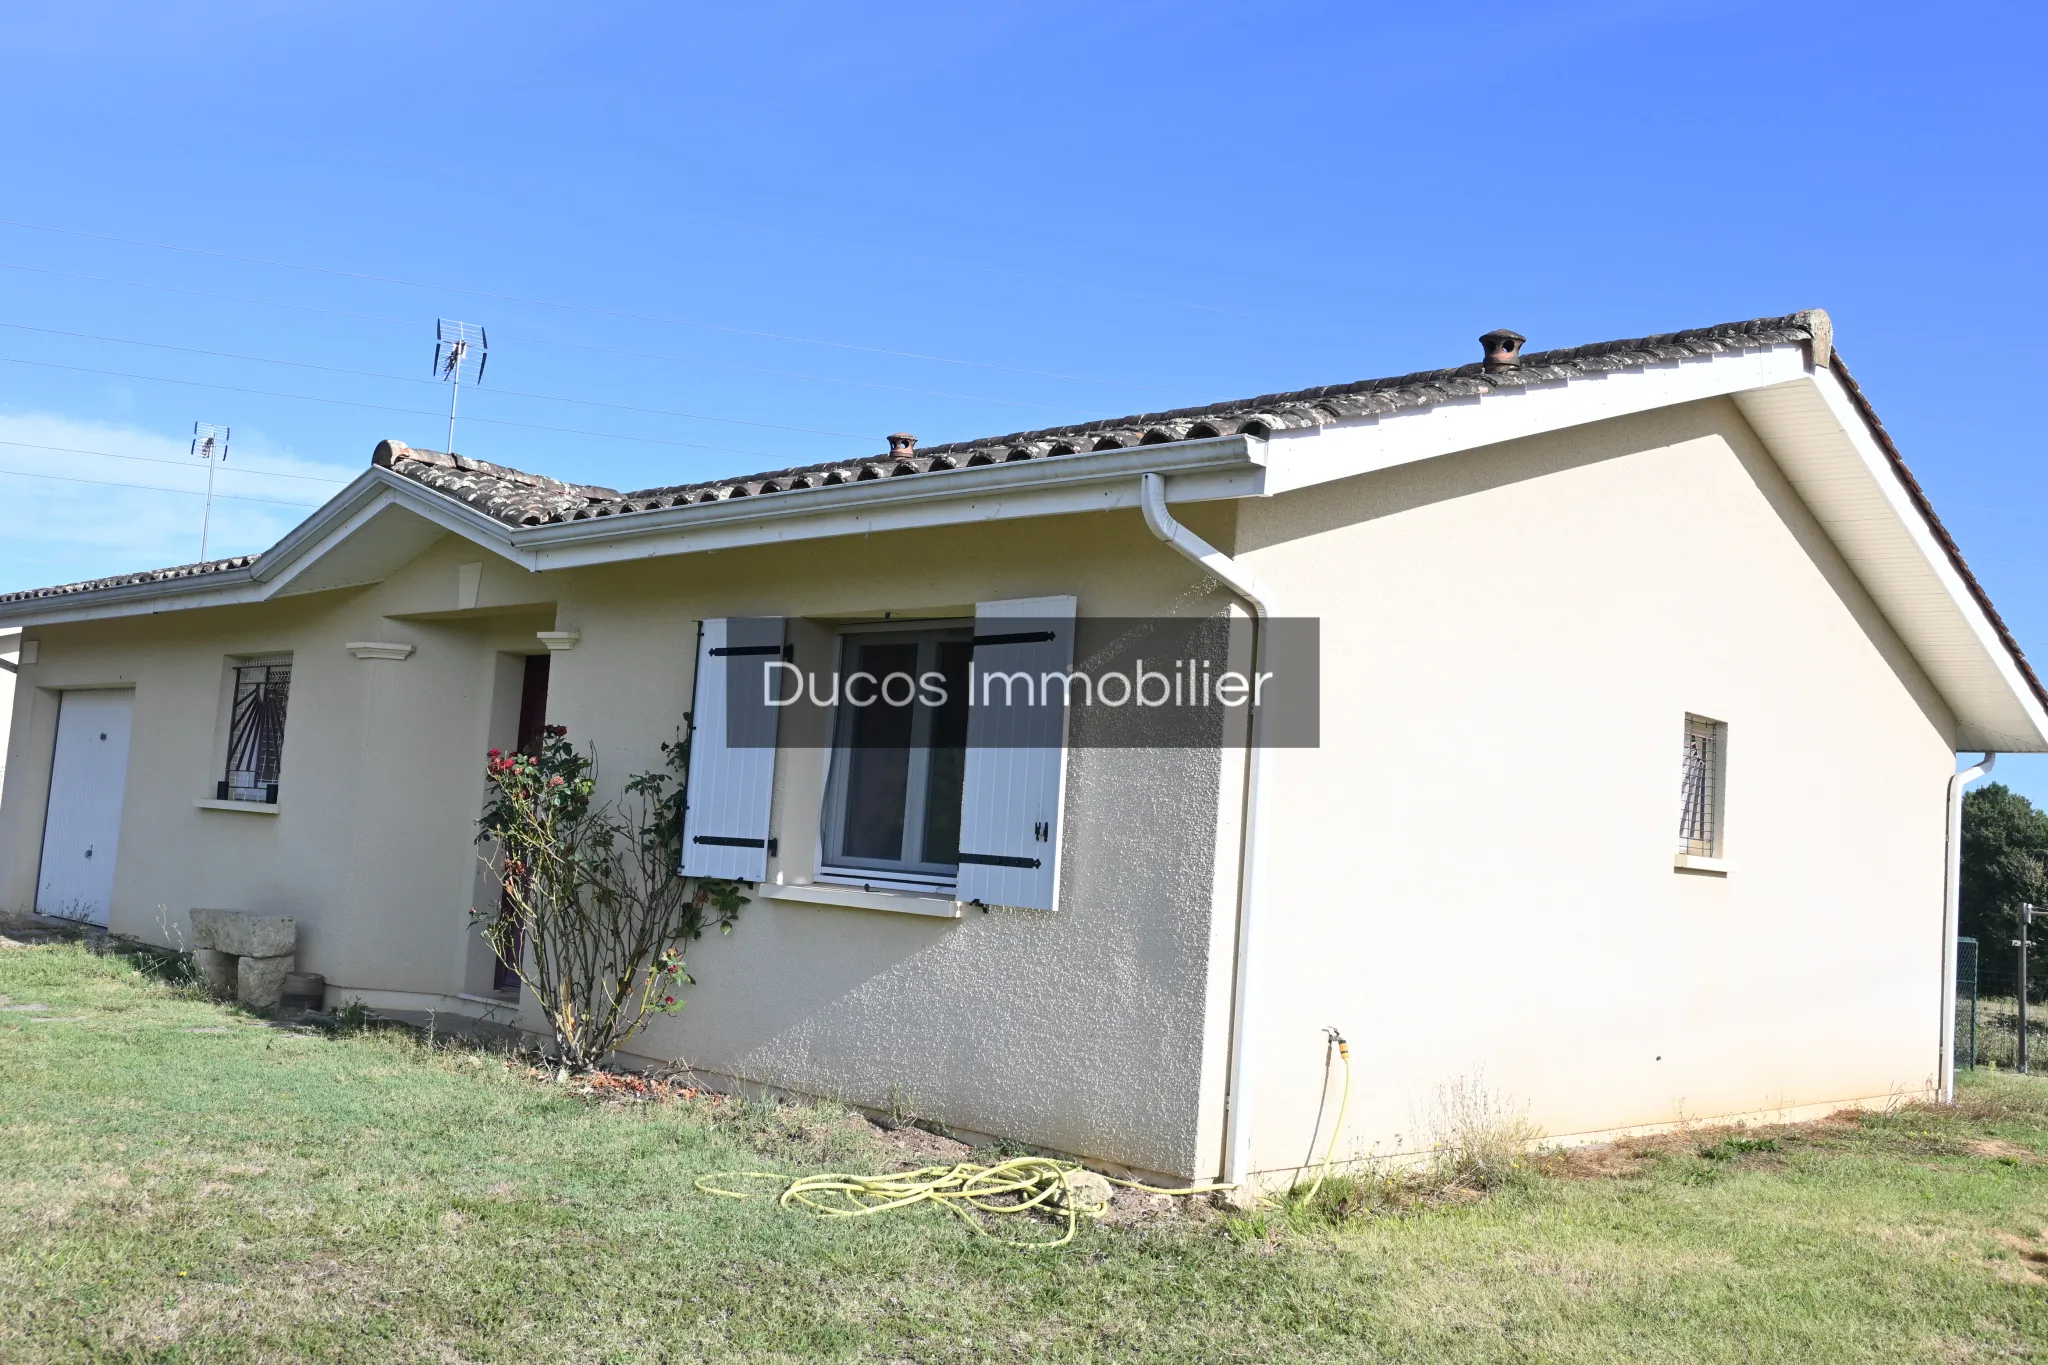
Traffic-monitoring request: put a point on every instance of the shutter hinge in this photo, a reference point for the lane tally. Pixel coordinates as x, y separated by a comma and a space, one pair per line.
1021, 637
999, 860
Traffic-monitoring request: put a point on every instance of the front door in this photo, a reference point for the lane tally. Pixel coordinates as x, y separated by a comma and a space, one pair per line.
533, 715
82, 827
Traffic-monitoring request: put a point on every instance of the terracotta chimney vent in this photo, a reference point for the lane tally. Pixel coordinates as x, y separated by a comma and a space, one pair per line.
902, 444
1503, 350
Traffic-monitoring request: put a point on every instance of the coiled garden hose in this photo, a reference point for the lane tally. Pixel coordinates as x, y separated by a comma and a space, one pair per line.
965, 1189
1344, 1053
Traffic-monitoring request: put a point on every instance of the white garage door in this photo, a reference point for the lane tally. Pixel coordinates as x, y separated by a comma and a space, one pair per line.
82, 828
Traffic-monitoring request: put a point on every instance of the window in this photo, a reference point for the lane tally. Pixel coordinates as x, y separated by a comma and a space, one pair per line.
256, 731
893, 793
1700, 781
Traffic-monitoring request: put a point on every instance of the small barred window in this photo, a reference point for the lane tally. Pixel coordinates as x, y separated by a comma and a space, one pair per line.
256, 732
1699, 787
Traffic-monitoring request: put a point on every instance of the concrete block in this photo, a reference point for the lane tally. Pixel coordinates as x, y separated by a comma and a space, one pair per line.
244, 933
216, 969
259, 981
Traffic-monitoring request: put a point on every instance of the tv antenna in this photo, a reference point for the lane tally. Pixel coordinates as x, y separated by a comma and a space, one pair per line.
209, 443
460, 350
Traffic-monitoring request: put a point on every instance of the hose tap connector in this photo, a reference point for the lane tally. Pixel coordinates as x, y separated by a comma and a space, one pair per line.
1337, 1039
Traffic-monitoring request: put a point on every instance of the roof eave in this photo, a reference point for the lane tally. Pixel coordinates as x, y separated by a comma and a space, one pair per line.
1202, 469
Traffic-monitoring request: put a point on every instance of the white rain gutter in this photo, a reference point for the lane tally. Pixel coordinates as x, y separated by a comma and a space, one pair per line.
1237, 1137
1951, 920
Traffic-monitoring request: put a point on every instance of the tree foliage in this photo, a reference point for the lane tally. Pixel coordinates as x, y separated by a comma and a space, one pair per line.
2005, 864
596, 913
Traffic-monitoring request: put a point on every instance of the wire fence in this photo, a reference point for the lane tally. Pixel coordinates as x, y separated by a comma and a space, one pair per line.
1988, 1007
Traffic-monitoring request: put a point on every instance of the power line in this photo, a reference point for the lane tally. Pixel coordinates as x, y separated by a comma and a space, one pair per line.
986, 269
208, 294
182, 464
589, 308
414, 379
382, 407
794, 374
546, 341
153, 488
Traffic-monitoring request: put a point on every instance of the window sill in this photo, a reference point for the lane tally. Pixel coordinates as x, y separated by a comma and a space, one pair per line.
849, 898
240, 807
1693, 862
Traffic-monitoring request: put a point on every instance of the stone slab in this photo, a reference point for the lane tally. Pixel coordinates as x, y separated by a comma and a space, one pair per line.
259, 981
245, 933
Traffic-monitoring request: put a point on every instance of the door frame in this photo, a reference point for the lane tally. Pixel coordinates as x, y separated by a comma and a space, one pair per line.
61, 694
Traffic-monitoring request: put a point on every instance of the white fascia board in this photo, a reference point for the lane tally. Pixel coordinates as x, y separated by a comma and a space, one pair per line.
1819, 438
1342, 450
352, 508
1206, 469
1217, 467
1827, 452
225, 588
287, 563
302, 546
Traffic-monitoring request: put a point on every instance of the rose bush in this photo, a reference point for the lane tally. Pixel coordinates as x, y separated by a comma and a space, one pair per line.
596, 913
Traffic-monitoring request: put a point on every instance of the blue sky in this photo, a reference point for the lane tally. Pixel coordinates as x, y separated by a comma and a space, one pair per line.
791, 229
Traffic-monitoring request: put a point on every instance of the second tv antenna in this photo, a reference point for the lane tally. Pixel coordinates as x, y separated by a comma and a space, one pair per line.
209, 443
460, 350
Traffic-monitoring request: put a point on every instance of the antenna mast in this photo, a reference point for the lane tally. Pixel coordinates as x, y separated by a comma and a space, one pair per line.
460, 350
209, 443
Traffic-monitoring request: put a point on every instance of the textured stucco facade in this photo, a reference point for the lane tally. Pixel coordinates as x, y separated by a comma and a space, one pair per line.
1475, 878
1472, 877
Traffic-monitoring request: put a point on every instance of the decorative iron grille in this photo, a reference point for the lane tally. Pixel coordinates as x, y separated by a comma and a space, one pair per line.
256, 732
1699, 788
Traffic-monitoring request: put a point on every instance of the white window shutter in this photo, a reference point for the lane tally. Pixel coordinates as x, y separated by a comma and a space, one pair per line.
1013, 797
725, 818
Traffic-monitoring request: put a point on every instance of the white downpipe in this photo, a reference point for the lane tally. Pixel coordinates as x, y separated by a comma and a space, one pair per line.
1951, 919
1237, 1139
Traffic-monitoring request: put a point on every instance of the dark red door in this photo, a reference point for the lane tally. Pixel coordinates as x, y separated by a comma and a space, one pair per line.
533, 714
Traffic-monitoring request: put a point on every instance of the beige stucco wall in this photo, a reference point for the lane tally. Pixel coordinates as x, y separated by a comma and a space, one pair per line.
1093, 1028
369, 846
1473, 878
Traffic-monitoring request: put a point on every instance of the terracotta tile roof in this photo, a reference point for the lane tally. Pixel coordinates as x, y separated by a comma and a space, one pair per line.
510, 495
517, 498
204, 566
521, 499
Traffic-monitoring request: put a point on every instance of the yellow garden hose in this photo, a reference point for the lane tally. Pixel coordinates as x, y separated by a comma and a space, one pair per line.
1344, 1052
965, 1189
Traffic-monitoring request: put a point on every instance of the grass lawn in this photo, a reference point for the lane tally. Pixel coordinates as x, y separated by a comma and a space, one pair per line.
179, 1183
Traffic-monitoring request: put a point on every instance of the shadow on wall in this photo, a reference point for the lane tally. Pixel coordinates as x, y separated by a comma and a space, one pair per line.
10, 656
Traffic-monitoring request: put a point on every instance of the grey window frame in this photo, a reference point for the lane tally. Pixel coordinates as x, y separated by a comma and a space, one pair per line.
256, 727
834, 864
1702, 787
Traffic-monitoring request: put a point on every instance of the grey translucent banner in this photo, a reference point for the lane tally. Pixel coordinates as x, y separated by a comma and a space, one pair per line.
1023, 683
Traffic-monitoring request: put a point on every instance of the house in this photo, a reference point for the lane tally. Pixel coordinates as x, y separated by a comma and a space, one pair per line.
1630, 792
